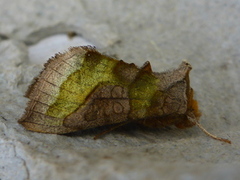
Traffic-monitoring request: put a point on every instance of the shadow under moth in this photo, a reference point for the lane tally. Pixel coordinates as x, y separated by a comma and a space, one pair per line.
82, 89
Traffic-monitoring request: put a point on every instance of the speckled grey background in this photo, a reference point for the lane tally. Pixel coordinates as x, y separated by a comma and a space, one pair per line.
206, 33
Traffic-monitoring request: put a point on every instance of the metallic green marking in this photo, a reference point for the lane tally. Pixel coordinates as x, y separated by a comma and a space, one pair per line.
141, 92
94, 69
81, 83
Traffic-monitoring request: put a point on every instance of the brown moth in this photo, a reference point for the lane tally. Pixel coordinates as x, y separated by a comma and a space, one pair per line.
82, 89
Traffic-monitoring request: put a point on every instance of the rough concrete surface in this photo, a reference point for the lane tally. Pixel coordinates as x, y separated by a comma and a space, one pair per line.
206, 33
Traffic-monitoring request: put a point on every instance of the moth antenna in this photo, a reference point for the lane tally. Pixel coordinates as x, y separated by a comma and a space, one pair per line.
211, 135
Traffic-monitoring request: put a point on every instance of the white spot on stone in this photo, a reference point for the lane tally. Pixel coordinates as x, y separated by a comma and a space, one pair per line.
46, 48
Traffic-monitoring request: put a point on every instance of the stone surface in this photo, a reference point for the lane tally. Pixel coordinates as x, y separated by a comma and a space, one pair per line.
30, 21
207, 33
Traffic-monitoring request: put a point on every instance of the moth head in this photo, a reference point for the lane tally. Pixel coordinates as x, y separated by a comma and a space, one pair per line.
192, 113
173, 103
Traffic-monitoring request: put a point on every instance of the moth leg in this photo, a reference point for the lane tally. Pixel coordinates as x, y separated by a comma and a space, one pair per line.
111, 129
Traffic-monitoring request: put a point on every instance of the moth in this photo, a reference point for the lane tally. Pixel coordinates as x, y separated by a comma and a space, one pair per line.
82, 89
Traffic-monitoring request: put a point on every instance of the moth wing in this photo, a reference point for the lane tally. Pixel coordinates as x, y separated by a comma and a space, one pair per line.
34, 119
107, 104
